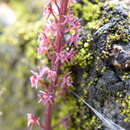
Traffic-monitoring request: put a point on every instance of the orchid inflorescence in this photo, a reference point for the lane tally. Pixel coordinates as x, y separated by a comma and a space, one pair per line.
53, 43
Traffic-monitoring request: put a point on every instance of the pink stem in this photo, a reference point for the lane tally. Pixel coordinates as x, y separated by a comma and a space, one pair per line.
48, 116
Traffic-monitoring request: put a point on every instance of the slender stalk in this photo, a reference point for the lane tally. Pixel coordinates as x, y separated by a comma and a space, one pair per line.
48, 116
59, 43
58, 55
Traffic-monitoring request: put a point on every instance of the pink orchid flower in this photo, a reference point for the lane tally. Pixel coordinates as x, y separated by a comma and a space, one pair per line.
34, 79
32, 120
64, 56
67, 81
42, 50
43, 71
51, 75
44, 43
45, 97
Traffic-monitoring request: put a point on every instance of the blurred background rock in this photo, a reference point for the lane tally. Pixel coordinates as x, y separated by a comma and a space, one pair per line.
20, 23
7, 15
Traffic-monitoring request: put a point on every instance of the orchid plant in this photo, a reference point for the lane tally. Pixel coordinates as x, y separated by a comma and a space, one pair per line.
53, 42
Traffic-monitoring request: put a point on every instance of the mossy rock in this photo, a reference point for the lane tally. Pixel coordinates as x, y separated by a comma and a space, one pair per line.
101, 75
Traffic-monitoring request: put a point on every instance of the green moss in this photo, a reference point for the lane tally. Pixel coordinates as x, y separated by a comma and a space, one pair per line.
125, 106
84, 56
125, 75
88, 57
85, 121
63, 109
87, 12
114, 37
103, 69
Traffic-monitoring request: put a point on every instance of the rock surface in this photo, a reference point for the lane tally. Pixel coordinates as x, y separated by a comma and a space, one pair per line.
107, 84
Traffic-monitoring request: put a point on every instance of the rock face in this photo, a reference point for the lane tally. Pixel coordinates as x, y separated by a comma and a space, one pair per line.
7, 15
105, 83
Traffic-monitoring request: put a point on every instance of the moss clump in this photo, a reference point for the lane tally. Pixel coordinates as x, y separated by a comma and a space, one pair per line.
125, 75
83, 117
124, 103
84, 56
87, 10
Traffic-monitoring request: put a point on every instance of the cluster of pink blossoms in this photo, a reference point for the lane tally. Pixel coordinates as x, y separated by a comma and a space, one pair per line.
53, 42
65, 56
36, 78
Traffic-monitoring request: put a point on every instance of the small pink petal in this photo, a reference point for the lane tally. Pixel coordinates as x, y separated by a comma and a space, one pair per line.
45, 97
43, 71
42, 50
51, 75
34, 79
